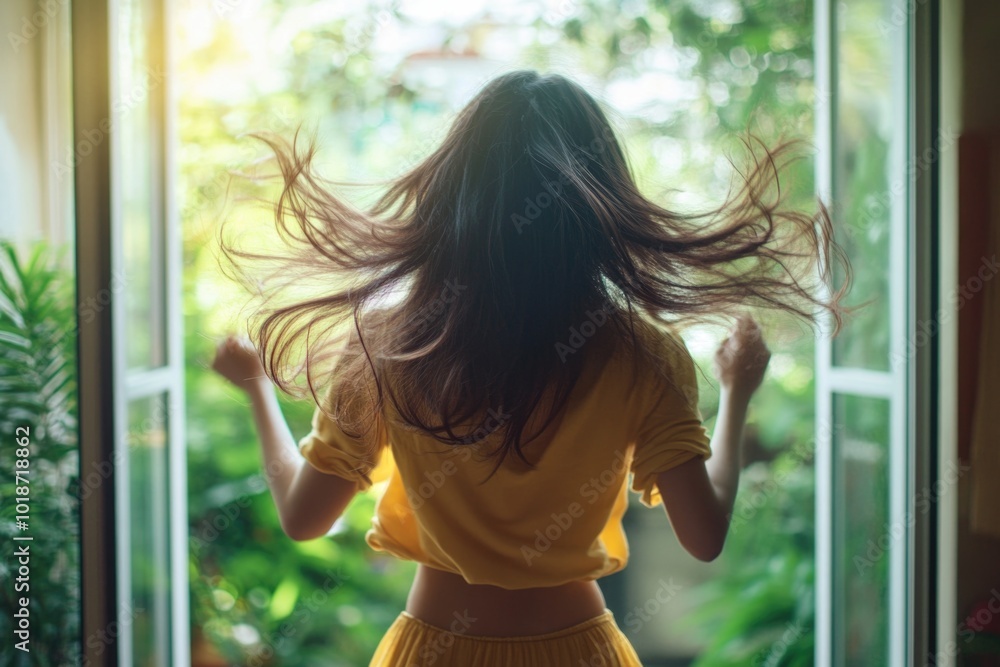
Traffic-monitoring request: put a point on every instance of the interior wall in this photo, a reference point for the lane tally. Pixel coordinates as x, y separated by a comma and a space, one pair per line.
36, 147
21, 151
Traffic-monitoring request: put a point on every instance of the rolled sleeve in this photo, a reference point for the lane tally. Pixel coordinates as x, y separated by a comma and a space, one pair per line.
670, 429
330, 450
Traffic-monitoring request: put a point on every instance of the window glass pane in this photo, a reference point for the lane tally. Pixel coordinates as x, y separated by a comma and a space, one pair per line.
864, 534
148, 525
864, 118
142, 238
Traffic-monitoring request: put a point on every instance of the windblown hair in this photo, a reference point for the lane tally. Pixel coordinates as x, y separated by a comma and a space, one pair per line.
464, 278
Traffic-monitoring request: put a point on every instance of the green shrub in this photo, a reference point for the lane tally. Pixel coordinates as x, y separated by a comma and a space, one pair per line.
38, 391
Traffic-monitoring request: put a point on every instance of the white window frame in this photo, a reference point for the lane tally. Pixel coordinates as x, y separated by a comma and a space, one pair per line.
107, 385
921, 579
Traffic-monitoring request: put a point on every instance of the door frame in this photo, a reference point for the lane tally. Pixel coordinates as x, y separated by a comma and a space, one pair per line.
91, 39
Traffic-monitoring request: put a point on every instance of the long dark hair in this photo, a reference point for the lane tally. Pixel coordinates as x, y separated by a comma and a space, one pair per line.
472, 269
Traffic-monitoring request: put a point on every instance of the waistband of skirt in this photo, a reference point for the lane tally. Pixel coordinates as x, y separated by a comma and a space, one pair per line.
605, 617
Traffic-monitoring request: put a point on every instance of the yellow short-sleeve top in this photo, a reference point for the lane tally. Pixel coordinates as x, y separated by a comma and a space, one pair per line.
558, 522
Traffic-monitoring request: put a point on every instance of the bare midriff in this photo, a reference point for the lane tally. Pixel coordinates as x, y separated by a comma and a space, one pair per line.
441, 598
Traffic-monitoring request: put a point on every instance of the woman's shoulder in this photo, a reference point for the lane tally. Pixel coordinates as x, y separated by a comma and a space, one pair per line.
658, 346
657, 356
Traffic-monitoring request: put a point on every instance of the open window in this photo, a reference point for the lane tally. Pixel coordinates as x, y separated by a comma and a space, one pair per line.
874, 429
131, 361
876, 502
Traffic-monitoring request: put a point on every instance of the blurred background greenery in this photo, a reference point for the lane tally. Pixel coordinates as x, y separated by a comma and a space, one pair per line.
378, 84
38, 391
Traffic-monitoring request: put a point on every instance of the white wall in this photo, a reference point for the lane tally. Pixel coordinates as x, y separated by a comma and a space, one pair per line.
35, 120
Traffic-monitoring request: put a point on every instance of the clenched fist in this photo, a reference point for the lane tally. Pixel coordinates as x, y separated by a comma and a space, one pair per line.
742, 358
237, 361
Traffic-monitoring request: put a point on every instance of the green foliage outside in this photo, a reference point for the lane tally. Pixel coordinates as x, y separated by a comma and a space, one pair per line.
741, 65
761, 610
38, 391
258, 598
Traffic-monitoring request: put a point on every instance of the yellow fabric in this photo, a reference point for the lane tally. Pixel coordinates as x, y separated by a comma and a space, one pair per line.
526, 528
410, 643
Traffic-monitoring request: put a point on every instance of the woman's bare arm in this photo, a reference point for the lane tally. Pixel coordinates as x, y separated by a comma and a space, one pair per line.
308, 501
698, 495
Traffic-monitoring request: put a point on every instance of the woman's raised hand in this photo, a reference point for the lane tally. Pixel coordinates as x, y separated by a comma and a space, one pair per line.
237, 361
742, 358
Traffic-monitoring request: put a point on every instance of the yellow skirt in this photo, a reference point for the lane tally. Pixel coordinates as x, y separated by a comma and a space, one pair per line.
410, 642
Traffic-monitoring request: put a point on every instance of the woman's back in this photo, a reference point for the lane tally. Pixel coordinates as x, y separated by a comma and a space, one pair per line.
554, 519
505, 425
